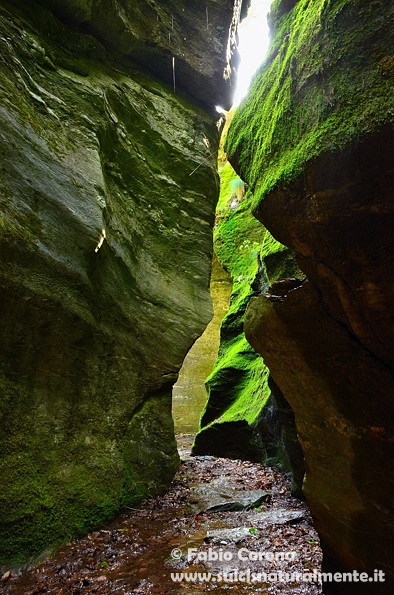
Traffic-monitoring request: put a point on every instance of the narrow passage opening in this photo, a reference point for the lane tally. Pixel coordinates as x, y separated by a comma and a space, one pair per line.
189, 392
233, 521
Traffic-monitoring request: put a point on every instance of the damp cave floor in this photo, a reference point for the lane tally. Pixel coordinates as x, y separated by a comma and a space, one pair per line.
144, 550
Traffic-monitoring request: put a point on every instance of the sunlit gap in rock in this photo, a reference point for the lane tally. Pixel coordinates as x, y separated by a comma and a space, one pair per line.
253, 45
189, 393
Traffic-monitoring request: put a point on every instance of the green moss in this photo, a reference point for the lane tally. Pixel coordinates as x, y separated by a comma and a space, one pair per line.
12, 230
324, 84
227, 175
58, 489
252, 390
60, 481
238, 385
115, 148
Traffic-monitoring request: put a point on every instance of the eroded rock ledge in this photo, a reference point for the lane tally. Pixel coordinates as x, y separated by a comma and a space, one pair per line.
178, 38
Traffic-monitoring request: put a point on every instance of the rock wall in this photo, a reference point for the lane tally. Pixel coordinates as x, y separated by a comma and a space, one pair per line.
108, 186
198, 38
189, 394
315, 142
240, 419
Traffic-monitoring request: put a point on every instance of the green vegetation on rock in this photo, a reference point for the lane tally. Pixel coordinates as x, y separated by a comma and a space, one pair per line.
314, 142
106, 247
238, 385
327, 80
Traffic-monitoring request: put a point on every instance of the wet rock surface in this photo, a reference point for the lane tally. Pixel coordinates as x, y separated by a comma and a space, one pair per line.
329, 345
223, 494
323, 129
185, 41
108, 186
137, 553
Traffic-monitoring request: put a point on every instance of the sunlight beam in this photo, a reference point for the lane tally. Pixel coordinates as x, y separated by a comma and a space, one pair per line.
253, 45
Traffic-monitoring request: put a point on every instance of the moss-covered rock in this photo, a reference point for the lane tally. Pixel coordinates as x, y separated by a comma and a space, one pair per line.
108, 185
326, 82
189, 394
314, 141
239, 418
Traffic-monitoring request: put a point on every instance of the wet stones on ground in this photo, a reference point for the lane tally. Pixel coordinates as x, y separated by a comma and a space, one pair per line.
268, 532
223, 494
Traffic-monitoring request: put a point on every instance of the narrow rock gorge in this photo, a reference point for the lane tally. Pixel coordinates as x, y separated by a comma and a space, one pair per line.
241, 418
189, 394
108, 187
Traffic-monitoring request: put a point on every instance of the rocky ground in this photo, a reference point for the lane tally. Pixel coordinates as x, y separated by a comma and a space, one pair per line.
231, 525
